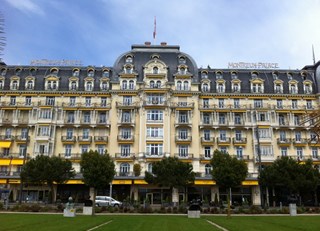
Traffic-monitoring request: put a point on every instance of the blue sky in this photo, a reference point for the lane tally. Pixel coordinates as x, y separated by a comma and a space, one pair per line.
213, 32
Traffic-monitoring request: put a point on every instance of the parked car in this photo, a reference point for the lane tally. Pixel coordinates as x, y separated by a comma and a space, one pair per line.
107, 201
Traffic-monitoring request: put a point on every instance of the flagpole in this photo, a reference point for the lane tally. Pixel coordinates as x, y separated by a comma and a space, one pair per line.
313, 55
154, 30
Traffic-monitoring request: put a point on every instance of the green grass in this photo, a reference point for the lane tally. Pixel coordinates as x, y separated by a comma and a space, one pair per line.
273, 223
34, 222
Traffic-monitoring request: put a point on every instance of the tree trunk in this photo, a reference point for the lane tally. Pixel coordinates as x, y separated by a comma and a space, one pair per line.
52, 199
94, 202
229, 202
315, 198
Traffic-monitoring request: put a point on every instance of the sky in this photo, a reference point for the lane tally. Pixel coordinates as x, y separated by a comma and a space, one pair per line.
213, 32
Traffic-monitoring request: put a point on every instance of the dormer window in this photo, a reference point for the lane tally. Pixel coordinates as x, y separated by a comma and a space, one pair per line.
29, 85
278, 88
105, 73
204, 75
234, 75
89, 86
90, 73
307, 89
274, 75
254, 75
236, 87
220, 88
52, 85
155, 70
154, 84
128, 70
14, 85
76, 73
257, 88
182, 71
104, 85
179, 85
73, 85
33, 71
18, 71
219, 75
185, 85
205, 87
289, 75
182, 60
54, 71
293, 89
304, 75
3, 72
131, 84
1, 84
124, 84
129, 59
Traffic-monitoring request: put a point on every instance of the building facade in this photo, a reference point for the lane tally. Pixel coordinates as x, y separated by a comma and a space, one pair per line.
154, 102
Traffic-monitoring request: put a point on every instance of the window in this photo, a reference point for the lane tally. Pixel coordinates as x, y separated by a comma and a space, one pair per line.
219, 75
125, 150
223, 135
296, 120
206, 135
88, 101
155, 115
278, 88
102, 117
101, 149
28, 101
73, 86
85, 133
205, 103
258, 103
222, 118
297, 136
294, 104
183, 133
24, 133
284, 151
263, 116
238, 135
155, 132
72, 101
29, 85
239, 152
22, 150
128, 70
126, 117
300, 153
127, 100
70, 117
307, 89
50, 100
309, 104
105, 73
150, 167
131, 84
314, 152
237, 119
265, 150
124, 169
182, 71
67, 150
1, 84
264, 133
69, 133
257, 88
155, 99
86, 117
205, 87
90, 73
221, 103
183, 151
8, 134
104, 85
103, 102
186, 86
52, 85
220, 88
84, 148
126, 133
236, 103
75, 73
224, 150
155, 149
129, 59
45, 114
43, 131
206, 118
89, 86
283, 136
12, 100
183, 117
124, 84
293, 89
207, 152
155, 70
204, 75
207, 169
236, 87
279, 103
14, 85
179, 85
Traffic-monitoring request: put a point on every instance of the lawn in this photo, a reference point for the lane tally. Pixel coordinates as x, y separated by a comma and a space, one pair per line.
34, 222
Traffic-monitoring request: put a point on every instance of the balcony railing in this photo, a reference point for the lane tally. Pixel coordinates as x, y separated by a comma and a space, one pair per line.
125, 138
22, 138
183, 138
206, 156
14, 155
68, 138
184, 156
207, 139
153, 155
283, 141
124, 155
6, 137
84, 138
71, 156
182, 105
101, 138
300, 141
225, 140
239, 140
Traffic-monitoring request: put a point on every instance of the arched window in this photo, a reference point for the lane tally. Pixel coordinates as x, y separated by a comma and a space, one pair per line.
179, 85
124, 169
14, 85
90, 73
129, 59
29, 84
124, 84
307, 89
75, 73
151, 84
155, 70
236, 87
293, 89
186, 85
220, 88
182, 71
104, 85
205, 87
204, 75
1, 84
105, 73
208, 169
131, 84
73, 85
52, 85
128, 70
278, 88
158, 84
89, 86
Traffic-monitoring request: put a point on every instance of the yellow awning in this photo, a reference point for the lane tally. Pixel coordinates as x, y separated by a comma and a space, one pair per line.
140, 182
204, 182
122, 182
250, 182
5, 144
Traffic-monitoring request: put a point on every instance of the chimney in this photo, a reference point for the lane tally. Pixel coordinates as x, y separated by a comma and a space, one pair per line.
163, 44
147, 43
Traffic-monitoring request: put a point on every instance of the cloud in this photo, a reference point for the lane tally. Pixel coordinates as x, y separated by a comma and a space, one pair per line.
26, 6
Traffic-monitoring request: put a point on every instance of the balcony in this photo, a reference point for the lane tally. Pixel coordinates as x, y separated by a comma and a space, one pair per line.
314, 141
124, 174
125, 156
183, 139
22, 139
207, 140
300, 142
241, 157
101, 139
184, 156
127, 105
206, 156
43, 137
155, 102
150, 155
155, 138
283, 141
6, 138
70, 156
239, 141
179, 105
84, 139
68, 139
183, 122
206, 122
14, 155
224, 141
125, 138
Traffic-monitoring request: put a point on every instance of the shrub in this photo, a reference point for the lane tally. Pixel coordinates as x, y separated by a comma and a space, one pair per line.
169, 210
255, 209
284, 210
34, 208
1, 206
97, 209
214, 210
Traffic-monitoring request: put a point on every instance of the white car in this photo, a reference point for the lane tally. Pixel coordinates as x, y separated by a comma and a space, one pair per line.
107, 201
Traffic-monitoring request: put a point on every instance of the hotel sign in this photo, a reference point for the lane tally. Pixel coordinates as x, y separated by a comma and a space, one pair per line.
258, 65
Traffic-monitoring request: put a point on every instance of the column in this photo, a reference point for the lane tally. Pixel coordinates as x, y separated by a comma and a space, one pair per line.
255, 195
